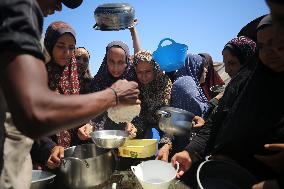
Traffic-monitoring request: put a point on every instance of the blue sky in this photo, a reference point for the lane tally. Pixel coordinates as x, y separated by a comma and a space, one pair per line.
203, 25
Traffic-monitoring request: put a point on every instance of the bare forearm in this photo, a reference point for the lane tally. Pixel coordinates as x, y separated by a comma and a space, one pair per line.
36, 110
135, 39
56, 112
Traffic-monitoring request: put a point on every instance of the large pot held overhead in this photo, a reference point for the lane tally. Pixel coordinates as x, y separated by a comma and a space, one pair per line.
86, 166
114, 16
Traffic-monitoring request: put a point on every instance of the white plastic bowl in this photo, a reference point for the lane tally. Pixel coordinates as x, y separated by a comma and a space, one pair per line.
155, 174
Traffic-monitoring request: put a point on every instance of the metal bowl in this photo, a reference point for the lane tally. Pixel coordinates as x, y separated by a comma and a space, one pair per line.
42, 179
114, 16
109, 138
175, 121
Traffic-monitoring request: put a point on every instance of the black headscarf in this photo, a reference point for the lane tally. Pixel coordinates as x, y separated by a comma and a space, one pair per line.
256, 118
103, 78
266, 21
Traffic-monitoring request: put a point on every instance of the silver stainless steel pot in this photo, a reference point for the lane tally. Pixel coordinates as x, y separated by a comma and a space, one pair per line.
85, 166
175, 121
42, 179
114, 16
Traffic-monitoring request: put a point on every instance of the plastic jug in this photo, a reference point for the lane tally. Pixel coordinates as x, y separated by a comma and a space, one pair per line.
155, 174
170, 57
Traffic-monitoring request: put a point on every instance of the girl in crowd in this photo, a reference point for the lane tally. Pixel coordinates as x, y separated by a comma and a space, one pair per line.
116, 65
155, 90
187, 95
212, 77
83, 57
60, 41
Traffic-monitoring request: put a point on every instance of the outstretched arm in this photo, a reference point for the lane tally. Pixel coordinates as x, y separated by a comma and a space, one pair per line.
135, 37
38, 111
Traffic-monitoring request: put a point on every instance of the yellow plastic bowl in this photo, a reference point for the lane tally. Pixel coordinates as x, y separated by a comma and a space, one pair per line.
138, 148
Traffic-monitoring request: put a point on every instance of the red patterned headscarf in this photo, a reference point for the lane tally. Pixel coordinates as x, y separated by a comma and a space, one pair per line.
212, 78
63, 80
243, 47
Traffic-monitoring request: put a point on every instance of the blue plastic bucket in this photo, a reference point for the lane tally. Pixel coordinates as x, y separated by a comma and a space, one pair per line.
170, 57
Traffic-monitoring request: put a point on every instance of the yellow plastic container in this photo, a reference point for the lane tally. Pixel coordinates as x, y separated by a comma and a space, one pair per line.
138, 148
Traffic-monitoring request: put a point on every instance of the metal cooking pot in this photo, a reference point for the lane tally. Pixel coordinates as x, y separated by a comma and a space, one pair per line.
175, 121
85, 166
42, 179
114, 16
216, 174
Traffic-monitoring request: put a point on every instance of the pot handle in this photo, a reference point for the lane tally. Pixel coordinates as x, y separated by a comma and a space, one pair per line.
64, 160
177, 163
164, 113
166, 39
133, 169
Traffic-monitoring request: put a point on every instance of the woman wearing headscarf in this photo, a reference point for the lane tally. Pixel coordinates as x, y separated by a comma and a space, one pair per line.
187, 95
115, 66
235, 54
60, 41
203, 142
186, 92
256, 116
82, 56
155, 90
212, 77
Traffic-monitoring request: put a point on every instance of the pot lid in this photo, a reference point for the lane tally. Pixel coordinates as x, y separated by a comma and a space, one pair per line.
113, 8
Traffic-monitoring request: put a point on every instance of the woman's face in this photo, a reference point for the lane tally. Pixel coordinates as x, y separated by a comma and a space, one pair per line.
268, 54
116, 61
144, 72
232, 63
82, 57
204, 74
64, 49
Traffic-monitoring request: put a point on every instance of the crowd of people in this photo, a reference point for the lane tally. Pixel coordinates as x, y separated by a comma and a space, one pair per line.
50, 104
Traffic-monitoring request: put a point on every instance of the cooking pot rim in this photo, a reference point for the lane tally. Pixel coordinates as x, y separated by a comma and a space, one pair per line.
51, 176
218, 161
176, 110
105, 151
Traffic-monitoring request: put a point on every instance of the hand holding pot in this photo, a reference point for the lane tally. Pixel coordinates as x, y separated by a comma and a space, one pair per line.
197, 122
164, 152
84, 132
268, 184
131, 129
184, 160
54, 160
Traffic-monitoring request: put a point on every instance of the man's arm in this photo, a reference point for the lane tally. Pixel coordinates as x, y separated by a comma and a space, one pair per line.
38, 111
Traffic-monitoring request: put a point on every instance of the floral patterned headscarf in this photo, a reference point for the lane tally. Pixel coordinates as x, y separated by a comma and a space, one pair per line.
63, 80
157, 93
242, 47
